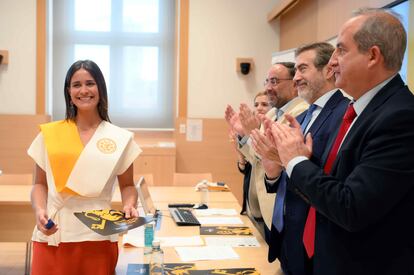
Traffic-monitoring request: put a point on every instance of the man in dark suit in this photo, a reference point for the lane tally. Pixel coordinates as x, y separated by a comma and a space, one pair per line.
364, 196
315, 81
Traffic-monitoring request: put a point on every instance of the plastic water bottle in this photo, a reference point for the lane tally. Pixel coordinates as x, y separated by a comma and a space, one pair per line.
148, 236
204, 194
156, 265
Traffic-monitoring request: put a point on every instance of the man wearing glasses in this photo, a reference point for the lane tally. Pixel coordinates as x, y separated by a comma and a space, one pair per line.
280, 88
283, 96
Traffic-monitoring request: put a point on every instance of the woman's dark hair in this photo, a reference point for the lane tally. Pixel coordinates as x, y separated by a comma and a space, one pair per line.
93, 69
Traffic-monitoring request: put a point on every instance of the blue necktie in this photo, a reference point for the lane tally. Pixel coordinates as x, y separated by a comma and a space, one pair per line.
281, 189
308, 117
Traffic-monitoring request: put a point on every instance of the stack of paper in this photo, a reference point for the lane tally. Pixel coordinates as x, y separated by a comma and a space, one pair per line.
215, 211
191, 254
219, 220
135, 238
232, 241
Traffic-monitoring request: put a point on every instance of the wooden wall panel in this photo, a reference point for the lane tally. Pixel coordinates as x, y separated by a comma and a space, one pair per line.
329, 18
160, 162
298, 25
213, 154
16, 134
158, 155
18, 223
18, 131
318, 20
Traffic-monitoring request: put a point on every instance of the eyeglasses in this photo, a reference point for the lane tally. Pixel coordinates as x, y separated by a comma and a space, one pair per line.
274, 81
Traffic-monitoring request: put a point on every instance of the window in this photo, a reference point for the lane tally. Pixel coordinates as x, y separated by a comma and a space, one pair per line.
132, 41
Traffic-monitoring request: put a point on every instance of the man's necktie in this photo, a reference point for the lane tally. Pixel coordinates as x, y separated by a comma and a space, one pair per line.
281, 189
279, 114
310, 226
308, 117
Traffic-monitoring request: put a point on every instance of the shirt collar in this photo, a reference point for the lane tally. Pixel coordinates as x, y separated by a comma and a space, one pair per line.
321, 102
283, 109
363, 101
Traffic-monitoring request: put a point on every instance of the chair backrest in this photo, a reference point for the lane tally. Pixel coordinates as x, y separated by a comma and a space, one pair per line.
145, 196
17, 179
149, 178
190, 179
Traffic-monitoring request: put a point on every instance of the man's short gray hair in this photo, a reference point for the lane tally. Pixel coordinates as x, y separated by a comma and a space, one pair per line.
323, 52
382, 28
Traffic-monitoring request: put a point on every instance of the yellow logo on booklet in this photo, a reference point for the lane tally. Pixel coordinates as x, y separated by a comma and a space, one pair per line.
106, 145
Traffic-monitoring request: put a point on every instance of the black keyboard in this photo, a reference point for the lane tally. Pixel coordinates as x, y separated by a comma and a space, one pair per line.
183, 216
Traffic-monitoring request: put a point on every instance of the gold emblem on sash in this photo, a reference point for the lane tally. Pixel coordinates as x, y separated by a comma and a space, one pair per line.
106, 145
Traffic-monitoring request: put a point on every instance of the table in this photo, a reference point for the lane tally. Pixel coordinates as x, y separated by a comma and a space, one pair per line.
249, 257
18, 219
15, 210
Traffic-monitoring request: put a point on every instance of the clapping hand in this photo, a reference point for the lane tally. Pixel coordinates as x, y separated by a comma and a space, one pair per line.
290, 140
248, 119
233, 121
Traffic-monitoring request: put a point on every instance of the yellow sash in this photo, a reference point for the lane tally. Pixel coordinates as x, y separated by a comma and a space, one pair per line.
63, 146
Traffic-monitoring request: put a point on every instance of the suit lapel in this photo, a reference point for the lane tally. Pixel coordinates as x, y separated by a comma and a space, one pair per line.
325, 112
377, 101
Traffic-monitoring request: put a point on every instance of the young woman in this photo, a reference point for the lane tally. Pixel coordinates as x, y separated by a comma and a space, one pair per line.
261, 106
78, 160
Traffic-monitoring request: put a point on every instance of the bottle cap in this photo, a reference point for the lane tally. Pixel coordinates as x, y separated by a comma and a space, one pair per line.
156, 243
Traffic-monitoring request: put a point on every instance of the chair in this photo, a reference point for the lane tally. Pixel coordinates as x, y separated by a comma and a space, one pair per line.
16, 179
190, 179
149, 178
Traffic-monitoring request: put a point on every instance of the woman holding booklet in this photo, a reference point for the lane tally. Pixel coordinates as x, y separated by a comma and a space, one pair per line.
78, 160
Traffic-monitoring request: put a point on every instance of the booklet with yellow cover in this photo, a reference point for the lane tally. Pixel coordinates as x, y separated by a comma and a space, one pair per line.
226, 230
189, 269
109, 221
169, 269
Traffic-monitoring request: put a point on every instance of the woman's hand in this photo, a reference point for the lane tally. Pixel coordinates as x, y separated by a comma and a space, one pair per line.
41, 221
130, 212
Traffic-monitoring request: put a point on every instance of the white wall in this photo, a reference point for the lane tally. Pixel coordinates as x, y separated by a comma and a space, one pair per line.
219, 32
18, 36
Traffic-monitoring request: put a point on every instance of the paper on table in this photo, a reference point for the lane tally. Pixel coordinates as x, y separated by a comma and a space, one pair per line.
220, 220
189, 254
181, 241
232, 241
136, 238
215, 211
